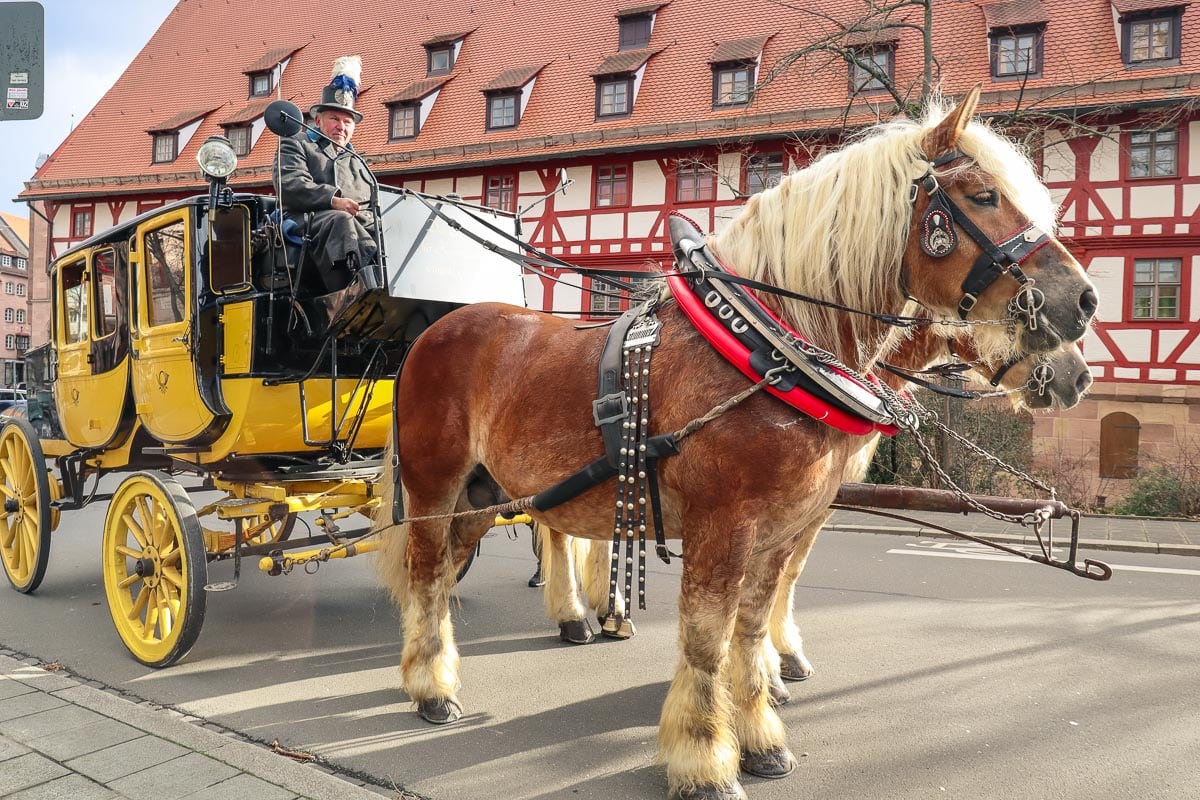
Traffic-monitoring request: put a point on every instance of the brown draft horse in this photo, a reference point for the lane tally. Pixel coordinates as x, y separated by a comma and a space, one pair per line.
577, 570
497, 397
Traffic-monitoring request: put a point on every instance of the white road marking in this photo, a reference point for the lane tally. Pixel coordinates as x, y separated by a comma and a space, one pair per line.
1016, 560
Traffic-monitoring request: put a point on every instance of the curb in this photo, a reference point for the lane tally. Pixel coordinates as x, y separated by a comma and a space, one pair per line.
1155, 548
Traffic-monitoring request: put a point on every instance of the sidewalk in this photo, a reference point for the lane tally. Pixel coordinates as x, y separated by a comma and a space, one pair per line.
62, 739
1131, 534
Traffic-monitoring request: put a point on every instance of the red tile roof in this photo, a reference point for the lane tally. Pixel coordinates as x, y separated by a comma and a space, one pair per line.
1013, 13
415, 91
634, 11
178, 69
883, 34
747, 49
249, 113
627, 61
271, 58
513, 78
179, 119
445, 38
1131, 6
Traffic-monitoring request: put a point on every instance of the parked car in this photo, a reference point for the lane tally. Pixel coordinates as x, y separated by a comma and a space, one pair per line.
9, 396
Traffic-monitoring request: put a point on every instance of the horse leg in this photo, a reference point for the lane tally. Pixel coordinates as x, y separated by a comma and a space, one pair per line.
696, 735
760, 732
785, 634
596, 571
562, 591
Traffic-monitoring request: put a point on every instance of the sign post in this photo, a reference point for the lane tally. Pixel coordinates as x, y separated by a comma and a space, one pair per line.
22, 60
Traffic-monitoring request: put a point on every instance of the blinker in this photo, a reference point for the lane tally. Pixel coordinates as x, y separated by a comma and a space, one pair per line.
938, 238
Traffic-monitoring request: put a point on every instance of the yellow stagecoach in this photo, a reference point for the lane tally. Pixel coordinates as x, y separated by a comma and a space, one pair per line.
183, 341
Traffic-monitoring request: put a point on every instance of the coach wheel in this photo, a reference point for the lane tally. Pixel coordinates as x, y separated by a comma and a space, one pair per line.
26, 522
154, 568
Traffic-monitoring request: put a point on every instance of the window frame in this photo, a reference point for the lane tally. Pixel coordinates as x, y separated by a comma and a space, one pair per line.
9, 287
254, 77
625, 181
631, 25
1181, 310
500, 95
173, 136
6, 260
10, 315
1153, 152
888, 48
1036, 53
430, 50
415, 107
21, 263
20, 290
20, 316
1174, 16
698, 168
749, 168
510, 190
90, 212
728, 67
246, 129
614, 80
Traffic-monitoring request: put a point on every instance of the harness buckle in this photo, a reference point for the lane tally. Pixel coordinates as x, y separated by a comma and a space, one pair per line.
913, 191
967, 302
610, 408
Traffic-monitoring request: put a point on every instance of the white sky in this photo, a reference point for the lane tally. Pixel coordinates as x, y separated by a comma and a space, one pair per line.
89, 43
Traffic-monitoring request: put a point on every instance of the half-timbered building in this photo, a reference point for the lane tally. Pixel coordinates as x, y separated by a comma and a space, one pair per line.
688, 105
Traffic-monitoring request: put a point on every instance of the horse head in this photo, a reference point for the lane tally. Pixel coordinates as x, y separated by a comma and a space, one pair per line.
980, 244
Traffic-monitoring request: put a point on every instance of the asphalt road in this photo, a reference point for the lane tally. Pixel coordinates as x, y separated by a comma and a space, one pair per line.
937, 675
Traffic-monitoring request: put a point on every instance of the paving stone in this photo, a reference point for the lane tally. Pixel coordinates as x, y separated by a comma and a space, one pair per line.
25, 704
40, 679
10, 749
123, 759
306, 780
28, 770
67, 744
173, 779
153, 722
44, 723
75, 787
240, 787
10, 687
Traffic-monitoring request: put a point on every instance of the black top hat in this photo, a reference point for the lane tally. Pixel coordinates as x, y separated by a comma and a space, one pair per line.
343, 89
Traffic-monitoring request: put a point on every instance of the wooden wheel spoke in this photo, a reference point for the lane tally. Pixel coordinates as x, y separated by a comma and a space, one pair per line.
172, 576
151, 617
139, 605
7, 534
128, 553
166, 618
130, 580
20, 463
135, 530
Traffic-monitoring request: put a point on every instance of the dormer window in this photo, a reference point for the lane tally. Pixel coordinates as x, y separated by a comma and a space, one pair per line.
507, 95
872, 68
166, 147
172, 135
1017, 53
735, 70
1149, 37
441, 59
262, 83
635, 31
441, 53
404, 121
239, 138
503, 109
617, 80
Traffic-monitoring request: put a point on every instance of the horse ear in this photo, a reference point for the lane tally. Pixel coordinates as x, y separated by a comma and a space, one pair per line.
944, 137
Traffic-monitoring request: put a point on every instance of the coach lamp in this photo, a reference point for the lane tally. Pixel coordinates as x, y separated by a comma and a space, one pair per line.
217, 161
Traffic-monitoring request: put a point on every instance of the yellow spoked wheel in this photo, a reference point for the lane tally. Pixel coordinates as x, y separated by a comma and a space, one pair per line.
25, 523
154, 568
256, 530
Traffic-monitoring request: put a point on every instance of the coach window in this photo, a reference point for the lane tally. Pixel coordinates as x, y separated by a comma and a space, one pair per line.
74, 302
104, 277
228, 250
165, 265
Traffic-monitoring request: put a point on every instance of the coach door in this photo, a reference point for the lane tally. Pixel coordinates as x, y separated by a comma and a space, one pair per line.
165, 391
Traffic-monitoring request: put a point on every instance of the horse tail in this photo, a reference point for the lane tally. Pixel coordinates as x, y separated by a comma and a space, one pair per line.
392, 563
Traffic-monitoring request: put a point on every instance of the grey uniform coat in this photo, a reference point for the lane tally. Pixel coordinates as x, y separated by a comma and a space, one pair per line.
309, 175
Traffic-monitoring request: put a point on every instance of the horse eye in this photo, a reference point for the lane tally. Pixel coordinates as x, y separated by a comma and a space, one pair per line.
988, 197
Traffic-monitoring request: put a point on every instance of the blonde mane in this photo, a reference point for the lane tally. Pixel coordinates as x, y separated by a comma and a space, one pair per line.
837, 229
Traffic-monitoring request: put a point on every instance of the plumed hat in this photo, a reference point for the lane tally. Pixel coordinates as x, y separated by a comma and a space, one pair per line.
343, 88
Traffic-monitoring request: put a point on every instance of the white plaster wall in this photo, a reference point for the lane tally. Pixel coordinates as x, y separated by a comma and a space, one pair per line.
1194, 148
1135, 344
649, 184
1108, 274
567, 293
1059, 195
1058, 160
1168, 341
1126, 373
1194, 305
528, 182
1114, 199
641, 224
1152, 201
1106, 163
1162, 374
723, 215
698, 216
729, 175
1191, 198
439, 186
573, 228
579, 194
469, 185
1094, 349
1192, 354
185, 135
608, 226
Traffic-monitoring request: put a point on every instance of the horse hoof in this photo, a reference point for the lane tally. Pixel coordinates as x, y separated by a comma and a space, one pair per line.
793, 667
709, 792
778, 692
777, 762
615, 628
440, 711
575, 631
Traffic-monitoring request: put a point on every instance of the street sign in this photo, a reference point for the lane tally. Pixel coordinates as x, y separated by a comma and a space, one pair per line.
22, 60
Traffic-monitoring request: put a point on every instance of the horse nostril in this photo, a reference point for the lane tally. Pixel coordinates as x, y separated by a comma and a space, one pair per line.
1088, 303
1083, 381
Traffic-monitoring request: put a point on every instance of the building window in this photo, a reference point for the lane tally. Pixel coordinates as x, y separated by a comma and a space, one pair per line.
8, 316
8, 287
634, 31
20, 290
605, 304
404, 120
165, 145
502, 110
732, 84
1156, 288
22, 342
21, 263
261, 83
501, 193
20, 315
81, 223
872, 69
614, 97
1017, 53
6, 260
695, 182
239, 137
763, 171
612, 186
10, 342
1154, 154
1119, 445
440, 59
1151, 38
